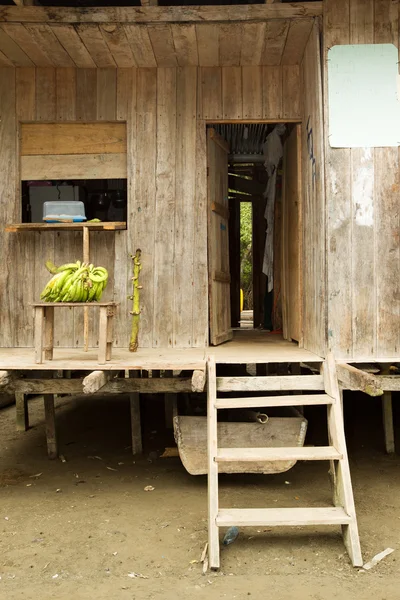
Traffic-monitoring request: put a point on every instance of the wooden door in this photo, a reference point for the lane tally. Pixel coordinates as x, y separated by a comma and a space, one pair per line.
218, 239
291, 238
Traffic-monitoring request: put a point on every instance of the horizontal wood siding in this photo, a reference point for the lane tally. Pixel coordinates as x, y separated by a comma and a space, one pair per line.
363, 255
166, 111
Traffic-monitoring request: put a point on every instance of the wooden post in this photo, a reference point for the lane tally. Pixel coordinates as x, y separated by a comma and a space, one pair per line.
170, 404
86, 259
109, 336
22, 413
39, 334
387, 413
102, 335
50, 419
136, 430
48, 332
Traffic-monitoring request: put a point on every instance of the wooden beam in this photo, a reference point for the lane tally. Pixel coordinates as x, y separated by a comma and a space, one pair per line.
115, 386
249, 186
351, 378
158, 14
96, 380
198, 381
388, 383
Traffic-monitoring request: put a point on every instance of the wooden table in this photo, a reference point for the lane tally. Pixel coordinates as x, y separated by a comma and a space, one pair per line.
44, 327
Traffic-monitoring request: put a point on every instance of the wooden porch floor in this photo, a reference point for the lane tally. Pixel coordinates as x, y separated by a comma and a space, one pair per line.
246, 347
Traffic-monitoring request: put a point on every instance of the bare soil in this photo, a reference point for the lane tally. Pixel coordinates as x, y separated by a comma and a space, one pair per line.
76, 529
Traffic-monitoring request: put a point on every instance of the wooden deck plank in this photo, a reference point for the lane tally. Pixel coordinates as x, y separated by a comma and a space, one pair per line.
253, 348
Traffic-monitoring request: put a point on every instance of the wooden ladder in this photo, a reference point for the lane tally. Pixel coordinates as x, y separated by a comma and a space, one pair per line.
343, 510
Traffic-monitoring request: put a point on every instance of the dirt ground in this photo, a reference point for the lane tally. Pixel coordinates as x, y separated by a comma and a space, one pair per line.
77, 529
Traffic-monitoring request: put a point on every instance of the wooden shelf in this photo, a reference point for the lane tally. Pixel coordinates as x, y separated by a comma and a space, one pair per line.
104, 226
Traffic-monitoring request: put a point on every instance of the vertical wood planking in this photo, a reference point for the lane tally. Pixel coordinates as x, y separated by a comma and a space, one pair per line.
144, 205
387, 187
232, 105
106, 94
211, 92
164, 249
64, 241
9, 209
290, 92
200, 264
86, 94
272, 92
252, 92
45, 111
25, 244
102, 244
66, 94
86, 110
126, 109
313, 170
184, 201
338, 192
363, 305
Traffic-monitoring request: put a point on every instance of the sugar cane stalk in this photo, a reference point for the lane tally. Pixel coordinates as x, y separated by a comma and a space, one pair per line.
135, 312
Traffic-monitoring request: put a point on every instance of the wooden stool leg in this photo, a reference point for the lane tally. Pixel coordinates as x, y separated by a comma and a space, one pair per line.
102, 356
39, 318
50, 418
48, 332
22, 413
388, 428
110, 319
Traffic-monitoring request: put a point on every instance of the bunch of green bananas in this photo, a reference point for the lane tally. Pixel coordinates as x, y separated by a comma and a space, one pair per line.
75, 282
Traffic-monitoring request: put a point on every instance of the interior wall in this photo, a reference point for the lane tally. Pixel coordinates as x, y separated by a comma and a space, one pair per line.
363, 255
166, 111
313, 166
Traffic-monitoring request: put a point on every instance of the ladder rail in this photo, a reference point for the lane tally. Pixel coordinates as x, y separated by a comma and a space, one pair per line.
343, 489
212, 446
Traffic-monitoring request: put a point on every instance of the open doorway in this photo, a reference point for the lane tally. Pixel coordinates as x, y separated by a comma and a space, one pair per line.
254, 229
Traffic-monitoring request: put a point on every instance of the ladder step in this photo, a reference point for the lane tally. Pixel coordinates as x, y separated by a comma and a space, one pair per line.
277, 454
281, 517
266, 401
273, 383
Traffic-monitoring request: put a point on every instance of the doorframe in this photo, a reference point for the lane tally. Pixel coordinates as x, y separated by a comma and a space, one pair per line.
299, 124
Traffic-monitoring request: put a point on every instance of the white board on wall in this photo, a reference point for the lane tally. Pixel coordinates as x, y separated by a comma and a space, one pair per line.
364, 107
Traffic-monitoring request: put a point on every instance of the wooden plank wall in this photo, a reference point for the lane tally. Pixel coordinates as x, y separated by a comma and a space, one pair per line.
363, 253
314, 305
166, 111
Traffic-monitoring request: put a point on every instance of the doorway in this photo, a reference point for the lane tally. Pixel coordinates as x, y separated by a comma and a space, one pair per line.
254, 229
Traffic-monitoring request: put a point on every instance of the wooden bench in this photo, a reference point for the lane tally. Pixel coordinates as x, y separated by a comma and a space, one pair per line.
44, 327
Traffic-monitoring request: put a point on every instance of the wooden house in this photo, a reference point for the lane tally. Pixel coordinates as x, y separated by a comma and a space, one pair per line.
148, 95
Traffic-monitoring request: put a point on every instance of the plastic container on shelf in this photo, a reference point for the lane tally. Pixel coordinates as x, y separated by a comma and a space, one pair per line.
64, 211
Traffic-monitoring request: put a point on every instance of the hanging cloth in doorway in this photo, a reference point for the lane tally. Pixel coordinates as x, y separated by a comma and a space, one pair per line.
273, 152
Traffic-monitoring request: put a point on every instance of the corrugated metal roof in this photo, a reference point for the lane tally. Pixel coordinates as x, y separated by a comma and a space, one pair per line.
244, 138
